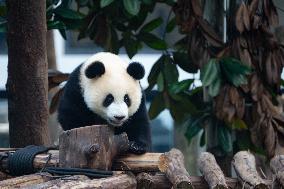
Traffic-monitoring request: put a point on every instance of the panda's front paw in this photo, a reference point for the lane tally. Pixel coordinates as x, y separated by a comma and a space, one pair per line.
137, 148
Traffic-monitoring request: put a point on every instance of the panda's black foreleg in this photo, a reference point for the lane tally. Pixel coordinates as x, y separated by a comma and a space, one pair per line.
137, 147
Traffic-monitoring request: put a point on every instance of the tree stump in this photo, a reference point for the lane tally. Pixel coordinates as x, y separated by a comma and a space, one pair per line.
91, 147
172, 164
211, 171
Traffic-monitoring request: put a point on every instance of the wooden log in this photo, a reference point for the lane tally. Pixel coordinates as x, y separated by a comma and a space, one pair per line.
160, 181
277, 166
172, 164
57, 182
211, 171
137, 163
119, 181
152, 181
4, 176
25, 180
91, 147
129, 162
245, 167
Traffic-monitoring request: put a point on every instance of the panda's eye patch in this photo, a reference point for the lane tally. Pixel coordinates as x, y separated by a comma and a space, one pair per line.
127, 100
108, 100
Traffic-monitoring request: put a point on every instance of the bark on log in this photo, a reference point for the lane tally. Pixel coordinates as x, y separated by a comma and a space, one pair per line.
137, 163
277, 166
25, 180
57, 182
120, 181
172, 164
211, 171
244, 165
160, 181
91, 147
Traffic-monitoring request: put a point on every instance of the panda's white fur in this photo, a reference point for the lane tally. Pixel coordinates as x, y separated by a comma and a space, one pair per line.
114, 81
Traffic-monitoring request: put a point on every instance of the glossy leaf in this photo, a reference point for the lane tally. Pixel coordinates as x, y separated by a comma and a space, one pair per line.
209, 72
171, 25
181, 86
157, 106
152, 25
152, 41
68, 13
214, 87
183, 61
55, 25
224, 138
131, 45
170, 71
160, 82
104, 3
154, 73
193, 128
132, 6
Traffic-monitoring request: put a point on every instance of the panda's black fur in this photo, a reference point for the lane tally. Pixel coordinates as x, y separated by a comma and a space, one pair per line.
73, 113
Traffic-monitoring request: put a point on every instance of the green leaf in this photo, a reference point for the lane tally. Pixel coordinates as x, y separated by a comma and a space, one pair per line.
55, 25
202, 139
105, 3
209, 72
171, 25
181, 86
131, 45
148, 2
239, 124
214, 87
154, 73
184, 104
160, 82
152, 41
63, 33
3, 26
225, 138
235, 71
193, 128
132, 6
3, 10
153, 24
170, 71
68, 13
157, 106
82, 2
182, 60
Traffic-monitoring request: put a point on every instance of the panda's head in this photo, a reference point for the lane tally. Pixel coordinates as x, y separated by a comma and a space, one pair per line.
111, 87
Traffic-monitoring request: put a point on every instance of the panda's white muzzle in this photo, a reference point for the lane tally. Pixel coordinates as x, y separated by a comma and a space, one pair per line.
117, 114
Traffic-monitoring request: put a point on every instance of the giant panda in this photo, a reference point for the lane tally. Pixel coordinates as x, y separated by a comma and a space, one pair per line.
106, 90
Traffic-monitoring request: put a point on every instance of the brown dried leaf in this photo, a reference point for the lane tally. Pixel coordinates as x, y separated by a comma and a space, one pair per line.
270, 140
206, 28
234, 95
256, 21
253, 6
245, 57
239, 18
268, 68
246, 18
196, 7
55, 101
254, 87
55, 78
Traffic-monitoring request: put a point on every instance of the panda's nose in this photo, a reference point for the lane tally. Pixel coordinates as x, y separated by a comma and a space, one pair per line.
119, 118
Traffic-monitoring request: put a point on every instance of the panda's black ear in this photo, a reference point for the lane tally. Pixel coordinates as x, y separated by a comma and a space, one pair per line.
136, 70
95, 69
